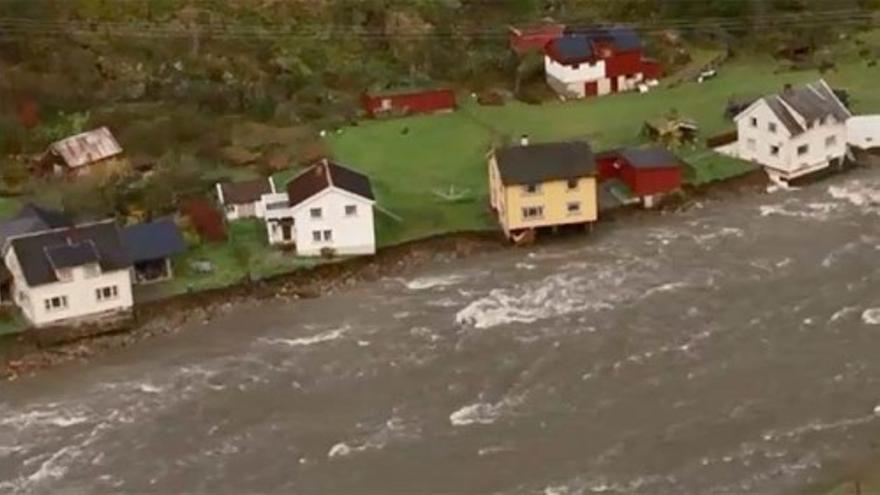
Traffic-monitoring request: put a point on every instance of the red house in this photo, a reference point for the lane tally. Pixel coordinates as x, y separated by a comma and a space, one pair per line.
534, 37
407, 102
648, 172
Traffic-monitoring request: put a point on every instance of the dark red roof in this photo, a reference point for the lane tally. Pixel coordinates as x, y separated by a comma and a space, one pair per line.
249, 191
325, 174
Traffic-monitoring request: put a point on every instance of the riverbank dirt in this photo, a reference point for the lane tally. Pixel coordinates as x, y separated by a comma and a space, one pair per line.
30, 352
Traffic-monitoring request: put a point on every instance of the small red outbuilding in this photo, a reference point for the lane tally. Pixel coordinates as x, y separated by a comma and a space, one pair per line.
534, 37
646, 171
406, 102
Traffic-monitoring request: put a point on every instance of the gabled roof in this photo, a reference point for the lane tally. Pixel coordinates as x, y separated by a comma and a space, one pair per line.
71, 255
86, 148
811, 102
36, 253
244, 192
648, 158
537, 163
153, 241
323, 175
570, 49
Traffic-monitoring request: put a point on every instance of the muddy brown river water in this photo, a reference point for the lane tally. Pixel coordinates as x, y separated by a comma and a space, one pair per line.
732, 348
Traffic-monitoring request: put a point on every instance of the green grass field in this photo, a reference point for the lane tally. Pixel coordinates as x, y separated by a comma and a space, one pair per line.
8, 207
412, 158
246, 254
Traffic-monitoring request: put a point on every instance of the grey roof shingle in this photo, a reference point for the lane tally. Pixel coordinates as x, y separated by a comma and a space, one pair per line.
812, 102
653, 157
36, 265
537, 163
153, 241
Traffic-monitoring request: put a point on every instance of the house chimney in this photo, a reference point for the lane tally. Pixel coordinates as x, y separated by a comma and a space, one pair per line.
524, 140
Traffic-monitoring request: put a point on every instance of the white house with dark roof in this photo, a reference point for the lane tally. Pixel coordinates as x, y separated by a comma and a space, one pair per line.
70, 275
242, 199
328, 208
799, 131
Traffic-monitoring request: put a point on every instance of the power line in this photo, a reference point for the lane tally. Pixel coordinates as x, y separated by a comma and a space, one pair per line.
15, 26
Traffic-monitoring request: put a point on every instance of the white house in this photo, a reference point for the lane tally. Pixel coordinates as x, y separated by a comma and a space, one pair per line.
70, 275
242, 199
863, 132
794, 133
328, 208
597, 61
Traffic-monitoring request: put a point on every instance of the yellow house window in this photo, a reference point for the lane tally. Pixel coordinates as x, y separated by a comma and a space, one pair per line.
572, 184
533, 212
574, 208
531, 189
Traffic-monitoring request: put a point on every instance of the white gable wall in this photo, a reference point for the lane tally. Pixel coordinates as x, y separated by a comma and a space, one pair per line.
350, 235
824, 142
82, 301
578, 73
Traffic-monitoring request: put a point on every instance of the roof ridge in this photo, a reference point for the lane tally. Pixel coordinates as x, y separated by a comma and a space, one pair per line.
329, 175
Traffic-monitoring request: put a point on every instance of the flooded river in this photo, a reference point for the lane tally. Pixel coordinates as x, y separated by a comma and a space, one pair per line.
733, 348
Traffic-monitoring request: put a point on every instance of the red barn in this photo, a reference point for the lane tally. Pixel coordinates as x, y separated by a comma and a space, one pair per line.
524, 39
407, 102
648, 172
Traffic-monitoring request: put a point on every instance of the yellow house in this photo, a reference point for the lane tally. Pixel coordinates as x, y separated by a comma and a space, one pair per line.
542, 185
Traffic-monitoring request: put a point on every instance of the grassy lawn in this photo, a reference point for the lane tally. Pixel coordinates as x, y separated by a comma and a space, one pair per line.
8, 207
246, 254
409, 159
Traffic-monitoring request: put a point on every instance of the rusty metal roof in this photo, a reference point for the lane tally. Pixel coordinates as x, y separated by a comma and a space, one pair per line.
87, 148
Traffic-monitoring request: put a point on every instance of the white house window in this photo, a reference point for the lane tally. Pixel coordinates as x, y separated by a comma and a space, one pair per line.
533, 212
771, 126
774, 150
803, 149
830, 141
315, 213
754, 122
106, 293
532, 189
750, 144
64, 275
572, 184
328, 235
316, 235
351, 210
56, 303
574, 208
810, 124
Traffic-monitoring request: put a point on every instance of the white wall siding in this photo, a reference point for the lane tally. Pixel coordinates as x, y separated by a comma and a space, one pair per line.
80, 291
864, 131
579, 73
824, 143
350, 235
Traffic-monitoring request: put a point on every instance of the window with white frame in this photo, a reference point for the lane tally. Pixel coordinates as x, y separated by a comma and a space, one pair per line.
831, 141
316, 213
58, 303
533, 212
754, 121
106, 293
316, 235
328, 235
574, 208
774, 150
351, 210
572, 184
771, 126
803, 149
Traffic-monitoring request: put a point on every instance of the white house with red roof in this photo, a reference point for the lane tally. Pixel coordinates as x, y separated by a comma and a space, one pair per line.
596, 62
327, 209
